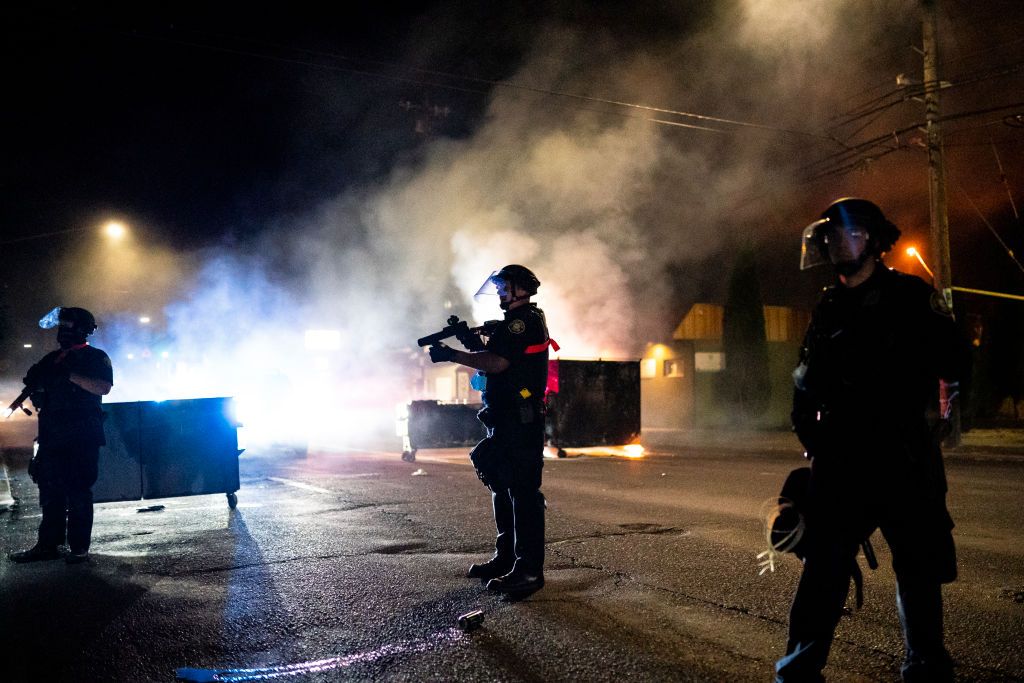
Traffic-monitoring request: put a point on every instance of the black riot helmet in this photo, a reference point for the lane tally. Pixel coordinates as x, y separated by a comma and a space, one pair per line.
518, 276
850, 214
73, 324
509, 278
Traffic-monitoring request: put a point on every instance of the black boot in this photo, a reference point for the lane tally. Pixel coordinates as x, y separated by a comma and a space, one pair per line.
36, 553
491, 569
517, 583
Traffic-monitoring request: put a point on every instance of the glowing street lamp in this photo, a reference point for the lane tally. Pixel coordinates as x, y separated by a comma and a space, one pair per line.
912, 251
115, 230
144, 320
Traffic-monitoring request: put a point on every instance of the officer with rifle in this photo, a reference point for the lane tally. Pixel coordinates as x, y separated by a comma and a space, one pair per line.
66, 387
514, 367
878, 344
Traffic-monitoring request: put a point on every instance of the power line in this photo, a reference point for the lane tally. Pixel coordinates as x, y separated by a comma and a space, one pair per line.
918, 89
852, 157
484, 81
988, 225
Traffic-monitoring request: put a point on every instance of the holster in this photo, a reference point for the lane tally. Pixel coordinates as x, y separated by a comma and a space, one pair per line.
33, 469
492, 464
486, 417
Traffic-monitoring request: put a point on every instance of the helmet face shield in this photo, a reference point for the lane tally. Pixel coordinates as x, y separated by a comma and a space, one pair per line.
811, 252
489, 287
831, 241
511, 284
51, 319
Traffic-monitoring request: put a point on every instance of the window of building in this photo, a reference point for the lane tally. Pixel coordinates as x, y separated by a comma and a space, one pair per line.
709, 361
674, 367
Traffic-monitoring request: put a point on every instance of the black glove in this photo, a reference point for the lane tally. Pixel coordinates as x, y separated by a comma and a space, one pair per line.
39, 375
439, 353
471, 341
34, 377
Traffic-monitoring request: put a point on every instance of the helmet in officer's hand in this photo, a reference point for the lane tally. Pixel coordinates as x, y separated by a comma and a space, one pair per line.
849, 214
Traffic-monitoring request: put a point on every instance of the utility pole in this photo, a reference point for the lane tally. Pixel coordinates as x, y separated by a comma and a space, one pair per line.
937, 179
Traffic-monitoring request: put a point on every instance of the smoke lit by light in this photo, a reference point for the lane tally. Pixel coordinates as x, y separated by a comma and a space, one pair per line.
299, 329
323, 340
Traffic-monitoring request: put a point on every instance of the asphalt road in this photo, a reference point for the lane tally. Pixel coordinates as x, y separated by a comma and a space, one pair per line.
349, 565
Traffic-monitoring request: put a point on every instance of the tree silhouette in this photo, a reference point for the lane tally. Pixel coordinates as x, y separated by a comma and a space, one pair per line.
744, 386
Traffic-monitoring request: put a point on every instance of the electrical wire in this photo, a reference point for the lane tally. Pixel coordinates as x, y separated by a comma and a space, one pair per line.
921, 89
848, 159
484, 81
988, 225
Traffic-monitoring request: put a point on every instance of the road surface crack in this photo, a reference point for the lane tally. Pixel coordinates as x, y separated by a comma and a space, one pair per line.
628, 530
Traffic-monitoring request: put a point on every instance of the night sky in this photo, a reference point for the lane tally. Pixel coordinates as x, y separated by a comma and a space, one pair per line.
379, 134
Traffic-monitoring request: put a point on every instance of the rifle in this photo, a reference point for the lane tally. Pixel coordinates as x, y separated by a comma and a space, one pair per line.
469, 336
17, 403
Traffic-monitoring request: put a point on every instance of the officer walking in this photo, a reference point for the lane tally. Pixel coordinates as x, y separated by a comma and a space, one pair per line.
878, 343
67, 386
509, 460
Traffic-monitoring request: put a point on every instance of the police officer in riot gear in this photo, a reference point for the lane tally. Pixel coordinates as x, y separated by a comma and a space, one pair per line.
509, 460
67, 386
877, 346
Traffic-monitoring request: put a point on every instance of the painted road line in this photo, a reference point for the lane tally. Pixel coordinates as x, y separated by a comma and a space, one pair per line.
300, 485
329, 664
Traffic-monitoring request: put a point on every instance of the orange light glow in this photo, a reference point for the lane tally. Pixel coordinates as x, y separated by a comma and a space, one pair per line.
632, 451
914, 253
115, 230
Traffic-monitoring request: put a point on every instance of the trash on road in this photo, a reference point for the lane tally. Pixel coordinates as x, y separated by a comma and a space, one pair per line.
151, 508
471, 620
420, 473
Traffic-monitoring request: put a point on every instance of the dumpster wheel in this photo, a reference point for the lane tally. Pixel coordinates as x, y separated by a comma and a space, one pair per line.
232, 500
409, 456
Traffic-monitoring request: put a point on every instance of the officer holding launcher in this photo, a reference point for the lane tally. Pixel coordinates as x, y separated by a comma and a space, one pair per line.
514, 368
66, 387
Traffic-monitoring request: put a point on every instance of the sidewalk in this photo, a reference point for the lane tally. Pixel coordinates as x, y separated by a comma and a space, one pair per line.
1001, 443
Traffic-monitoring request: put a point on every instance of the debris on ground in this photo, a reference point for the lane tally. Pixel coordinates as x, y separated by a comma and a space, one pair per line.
471, 620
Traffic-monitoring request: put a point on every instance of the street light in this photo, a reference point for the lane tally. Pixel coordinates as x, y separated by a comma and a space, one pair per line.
115, 230
912, 251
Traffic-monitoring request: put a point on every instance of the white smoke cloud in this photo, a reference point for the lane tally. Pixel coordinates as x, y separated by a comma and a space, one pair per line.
598, 204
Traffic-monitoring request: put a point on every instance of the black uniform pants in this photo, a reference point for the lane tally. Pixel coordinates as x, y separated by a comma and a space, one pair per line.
923, 559
510, 461
519, 519
65, 476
